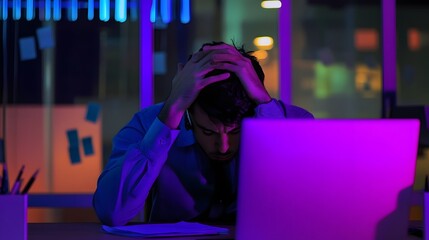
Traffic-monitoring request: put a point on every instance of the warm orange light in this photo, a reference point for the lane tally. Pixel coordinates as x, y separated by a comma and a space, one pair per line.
271, 4
366, 39
263, 43
260, 54
414, 39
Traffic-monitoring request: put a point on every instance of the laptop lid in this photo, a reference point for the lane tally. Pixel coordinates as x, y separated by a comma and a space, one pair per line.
326, 179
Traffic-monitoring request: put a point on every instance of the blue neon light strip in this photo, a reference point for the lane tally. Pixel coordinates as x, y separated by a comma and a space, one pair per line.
30, 10
57, 10
52, 9
90, 9
121, 10
166, 11
133, 10
74, 8
104, 10
47, 10
4, 9
16, 9
185, 11
153, 11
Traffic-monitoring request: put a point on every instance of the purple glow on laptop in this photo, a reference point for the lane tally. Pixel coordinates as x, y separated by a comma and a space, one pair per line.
326, 179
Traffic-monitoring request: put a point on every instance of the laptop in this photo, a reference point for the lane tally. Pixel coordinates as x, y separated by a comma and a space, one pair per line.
326, 179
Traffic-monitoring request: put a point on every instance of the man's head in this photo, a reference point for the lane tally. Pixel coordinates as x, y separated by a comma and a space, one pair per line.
217, 112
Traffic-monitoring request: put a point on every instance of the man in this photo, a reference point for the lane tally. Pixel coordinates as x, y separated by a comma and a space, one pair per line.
181, 155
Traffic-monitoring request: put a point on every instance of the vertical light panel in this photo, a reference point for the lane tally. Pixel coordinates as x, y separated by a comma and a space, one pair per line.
16, 9
74, 9
285, 51
166, 11
133, 10
90, 9
4, 9
104, 10
47, 10
185, 11
57, 10
121, 10
153, 11
389, 45
146, 54
30, 10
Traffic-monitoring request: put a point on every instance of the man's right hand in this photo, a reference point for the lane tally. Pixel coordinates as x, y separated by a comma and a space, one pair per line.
187, 84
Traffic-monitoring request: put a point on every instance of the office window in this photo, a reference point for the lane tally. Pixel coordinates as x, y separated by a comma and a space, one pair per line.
412, 37
70, 87
337, 58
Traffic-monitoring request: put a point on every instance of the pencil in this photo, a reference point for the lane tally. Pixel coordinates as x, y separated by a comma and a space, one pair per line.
5, 180
30, 182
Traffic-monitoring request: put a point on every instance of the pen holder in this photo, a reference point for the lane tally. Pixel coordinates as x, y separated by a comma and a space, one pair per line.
13, 217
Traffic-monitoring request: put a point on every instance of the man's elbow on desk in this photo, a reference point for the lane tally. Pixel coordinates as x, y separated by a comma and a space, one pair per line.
111, 218
109, 214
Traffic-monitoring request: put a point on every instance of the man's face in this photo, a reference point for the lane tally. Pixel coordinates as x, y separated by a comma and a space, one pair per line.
219, 142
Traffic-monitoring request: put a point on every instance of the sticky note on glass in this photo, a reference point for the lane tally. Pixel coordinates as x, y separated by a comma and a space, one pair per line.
45, 37
92, 112
87, 146
73, 138
27, 48
74, 154
160, 59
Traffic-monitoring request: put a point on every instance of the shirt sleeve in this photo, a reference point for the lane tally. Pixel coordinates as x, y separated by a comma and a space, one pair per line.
276, 109
271, 109
137, 158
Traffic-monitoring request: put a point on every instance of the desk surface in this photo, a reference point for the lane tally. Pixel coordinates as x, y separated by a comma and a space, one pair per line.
92, 231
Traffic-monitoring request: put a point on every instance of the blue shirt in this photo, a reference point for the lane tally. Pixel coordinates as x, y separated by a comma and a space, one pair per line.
149, 159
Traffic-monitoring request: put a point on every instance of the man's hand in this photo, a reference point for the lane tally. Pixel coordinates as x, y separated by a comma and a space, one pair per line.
226, 57
188, 82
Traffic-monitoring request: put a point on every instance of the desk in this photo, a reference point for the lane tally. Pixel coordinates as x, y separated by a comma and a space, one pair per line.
92, 231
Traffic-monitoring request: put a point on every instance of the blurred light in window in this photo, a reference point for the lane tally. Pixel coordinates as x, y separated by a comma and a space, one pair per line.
120, 10
271, 4
133, 10
72, 11
4, 9
153, 11
57, 10
16, 9
185, 11
90, 9
47, 10
414, 39
260, 54
104, 10
166, 11
30, 10
263, 43
366, 39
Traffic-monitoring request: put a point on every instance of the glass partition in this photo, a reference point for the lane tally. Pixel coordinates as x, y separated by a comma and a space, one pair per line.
337, 58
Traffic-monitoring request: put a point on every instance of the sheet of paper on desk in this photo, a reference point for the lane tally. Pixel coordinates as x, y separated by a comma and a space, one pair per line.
165, 230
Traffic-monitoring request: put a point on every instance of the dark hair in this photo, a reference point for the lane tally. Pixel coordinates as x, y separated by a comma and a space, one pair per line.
227, 100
